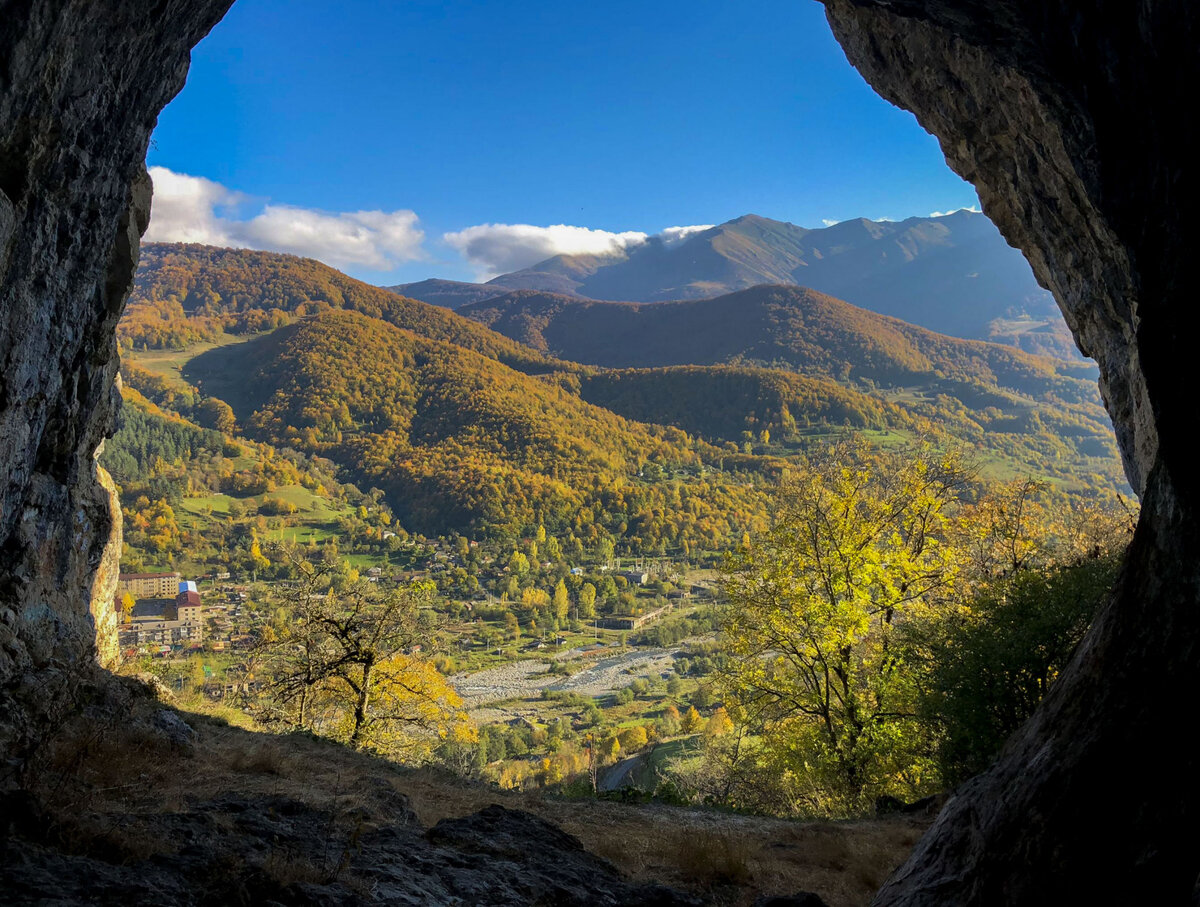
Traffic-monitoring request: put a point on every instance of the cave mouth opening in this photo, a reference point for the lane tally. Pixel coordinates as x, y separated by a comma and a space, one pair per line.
999, 89
208, 214
151, 222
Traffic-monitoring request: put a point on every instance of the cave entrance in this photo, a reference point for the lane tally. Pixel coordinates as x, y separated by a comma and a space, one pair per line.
1035, 107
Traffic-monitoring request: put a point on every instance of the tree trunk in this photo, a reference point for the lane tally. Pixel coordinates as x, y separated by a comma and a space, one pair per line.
362, 703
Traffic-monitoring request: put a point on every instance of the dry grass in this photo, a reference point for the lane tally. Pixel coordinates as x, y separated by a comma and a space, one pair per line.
288, 869
844, 862
96, 780
729, 858
714, 859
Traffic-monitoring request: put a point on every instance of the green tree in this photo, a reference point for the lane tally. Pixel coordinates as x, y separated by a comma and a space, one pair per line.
587, 601
518, 563
989, 665
857, 548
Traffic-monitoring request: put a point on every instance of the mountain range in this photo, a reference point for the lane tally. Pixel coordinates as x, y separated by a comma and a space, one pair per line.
655, 425
772, 326
953, 274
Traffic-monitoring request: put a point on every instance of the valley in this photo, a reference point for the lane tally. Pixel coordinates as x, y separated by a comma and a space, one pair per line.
568, 477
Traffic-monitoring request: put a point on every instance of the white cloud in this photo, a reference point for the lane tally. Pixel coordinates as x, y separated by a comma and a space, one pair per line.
672, 236
185, 209
500, 248
973, 209
194, 209
829, 223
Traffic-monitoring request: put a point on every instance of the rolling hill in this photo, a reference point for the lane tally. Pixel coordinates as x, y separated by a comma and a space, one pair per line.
780, 326
459, 441
183, 293
668, 431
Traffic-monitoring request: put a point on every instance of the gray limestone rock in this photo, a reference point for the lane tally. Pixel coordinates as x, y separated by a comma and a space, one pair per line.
81, 85
1076, 123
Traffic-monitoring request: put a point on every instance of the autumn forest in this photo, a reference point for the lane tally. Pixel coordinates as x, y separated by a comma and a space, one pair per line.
542, 489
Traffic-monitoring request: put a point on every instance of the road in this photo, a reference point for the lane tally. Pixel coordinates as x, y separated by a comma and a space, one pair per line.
619, 775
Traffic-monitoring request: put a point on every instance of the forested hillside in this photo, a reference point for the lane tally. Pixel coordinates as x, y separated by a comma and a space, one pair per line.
465, 429
777, 326
727, 402
458, 441
197, 498
188, 293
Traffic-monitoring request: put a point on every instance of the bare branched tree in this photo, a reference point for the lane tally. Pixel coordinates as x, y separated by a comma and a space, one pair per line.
357, 650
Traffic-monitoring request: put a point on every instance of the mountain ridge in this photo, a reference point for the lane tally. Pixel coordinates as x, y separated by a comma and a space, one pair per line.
952, 273
806, 331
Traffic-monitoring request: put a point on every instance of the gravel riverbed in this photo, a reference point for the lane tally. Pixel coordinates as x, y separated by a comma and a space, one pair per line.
529, 677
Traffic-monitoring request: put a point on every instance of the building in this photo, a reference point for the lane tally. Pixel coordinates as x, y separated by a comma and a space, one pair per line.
635, 577
148, 585
630, 623
162, 621
187, 606
147, 632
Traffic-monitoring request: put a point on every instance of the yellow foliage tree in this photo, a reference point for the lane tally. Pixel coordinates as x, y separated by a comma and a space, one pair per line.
633, 739
719, 724
127, 603
691, 722
561, 602
346, 659
858, 547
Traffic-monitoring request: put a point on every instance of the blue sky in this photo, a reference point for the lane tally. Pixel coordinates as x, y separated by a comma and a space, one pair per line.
364, 133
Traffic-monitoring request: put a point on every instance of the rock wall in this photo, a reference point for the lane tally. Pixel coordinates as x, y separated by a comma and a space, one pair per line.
81, 85
1075, 122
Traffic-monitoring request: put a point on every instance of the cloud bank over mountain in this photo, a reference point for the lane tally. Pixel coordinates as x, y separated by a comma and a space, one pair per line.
499, 248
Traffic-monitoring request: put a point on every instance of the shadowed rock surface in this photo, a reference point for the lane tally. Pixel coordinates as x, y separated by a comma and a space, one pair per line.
81, 85
130, 801
255, 850
1076, 124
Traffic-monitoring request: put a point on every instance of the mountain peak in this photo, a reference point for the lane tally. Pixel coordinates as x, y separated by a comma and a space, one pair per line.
953, 273
750, 219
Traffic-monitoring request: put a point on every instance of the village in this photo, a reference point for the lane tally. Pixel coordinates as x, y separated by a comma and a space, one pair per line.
214, 620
